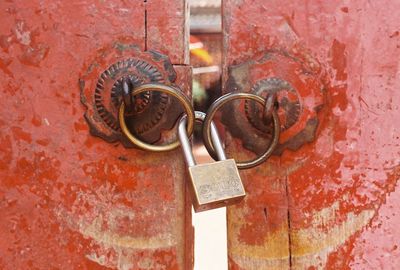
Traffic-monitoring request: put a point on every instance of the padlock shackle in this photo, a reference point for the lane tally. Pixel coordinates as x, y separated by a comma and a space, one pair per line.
185, 143
216, 140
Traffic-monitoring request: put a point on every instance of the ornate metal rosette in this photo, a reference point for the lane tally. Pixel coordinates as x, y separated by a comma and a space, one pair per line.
152, 112
296, 81
288, 100
107, 100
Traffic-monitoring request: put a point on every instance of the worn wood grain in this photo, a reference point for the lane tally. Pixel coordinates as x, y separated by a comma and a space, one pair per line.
341, 188
69, 200
168, 29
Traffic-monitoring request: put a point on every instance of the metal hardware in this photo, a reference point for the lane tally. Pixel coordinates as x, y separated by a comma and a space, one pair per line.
234, 96
102, 90
216, 184
166, 90
127, 97
270, 106
288, 101
297, 80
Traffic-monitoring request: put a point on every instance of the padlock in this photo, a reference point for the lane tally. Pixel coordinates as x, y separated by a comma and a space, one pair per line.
216, 184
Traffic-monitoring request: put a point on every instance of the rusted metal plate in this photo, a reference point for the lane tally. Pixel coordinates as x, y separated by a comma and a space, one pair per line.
69, 200
339, 191
101, 93
295, 79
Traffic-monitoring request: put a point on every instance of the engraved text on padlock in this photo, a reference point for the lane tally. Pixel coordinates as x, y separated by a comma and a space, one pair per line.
216, 184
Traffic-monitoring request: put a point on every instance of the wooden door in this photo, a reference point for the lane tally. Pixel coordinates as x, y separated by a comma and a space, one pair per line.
329, 197
68, 199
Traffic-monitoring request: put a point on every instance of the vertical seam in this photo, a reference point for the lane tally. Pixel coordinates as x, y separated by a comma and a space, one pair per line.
145, 25
288, 221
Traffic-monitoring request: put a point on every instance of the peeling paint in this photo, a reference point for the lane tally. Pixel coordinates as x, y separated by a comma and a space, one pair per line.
272, 248
312, 246
68, 200
333, 211
23, 36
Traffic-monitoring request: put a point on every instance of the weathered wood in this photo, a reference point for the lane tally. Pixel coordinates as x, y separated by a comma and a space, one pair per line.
168, 28
341, 188
69, 200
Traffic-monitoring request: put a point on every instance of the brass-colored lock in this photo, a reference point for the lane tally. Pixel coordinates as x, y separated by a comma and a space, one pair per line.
216, 184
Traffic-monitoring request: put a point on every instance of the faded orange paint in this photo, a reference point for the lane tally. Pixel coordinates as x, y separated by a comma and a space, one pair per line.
69, 200
337, 197
167, 30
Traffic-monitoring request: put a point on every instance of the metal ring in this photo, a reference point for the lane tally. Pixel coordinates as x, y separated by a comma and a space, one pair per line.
183, 137
233, 96
163, 89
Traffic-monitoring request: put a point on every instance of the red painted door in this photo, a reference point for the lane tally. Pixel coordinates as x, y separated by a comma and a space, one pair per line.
68, 199
329, 197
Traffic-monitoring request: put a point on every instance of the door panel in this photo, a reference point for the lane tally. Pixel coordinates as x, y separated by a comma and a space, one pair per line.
165, 26
339, 187
69, 200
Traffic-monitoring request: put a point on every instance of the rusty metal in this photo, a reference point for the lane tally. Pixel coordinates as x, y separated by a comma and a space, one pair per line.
168, 90
144, 121
227, 98
288, 101
298, 118
127, 98
216, 184
271, 105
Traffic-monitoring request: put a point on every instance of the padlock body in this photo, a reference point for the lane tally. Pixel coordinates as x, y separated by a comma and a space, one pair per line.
215, 185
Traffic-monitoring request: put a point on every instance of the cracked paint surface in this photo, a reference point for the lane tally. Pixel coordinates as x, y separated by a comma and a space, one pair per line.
69, 200
330, 204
